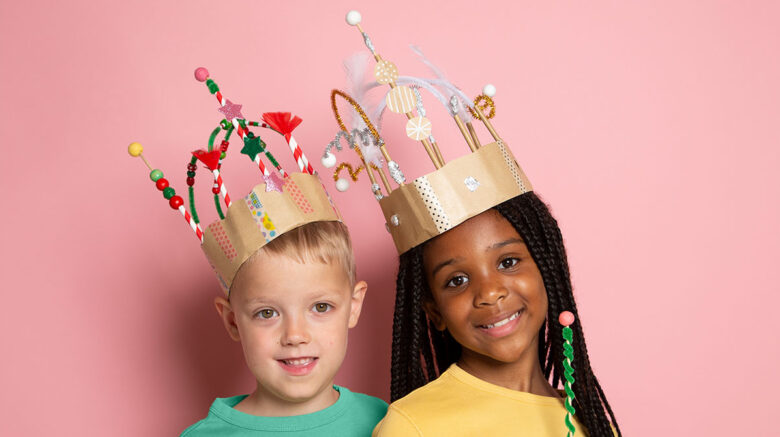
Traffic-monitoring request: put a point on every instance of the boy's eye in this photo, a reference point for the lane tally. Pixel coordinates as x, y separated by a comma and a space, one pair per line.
266, 313
321, 307
508, 263
457, 281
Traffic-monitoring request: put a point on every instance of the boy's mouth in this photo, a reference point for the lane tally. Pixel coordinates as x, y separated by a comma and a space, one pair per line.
298, 366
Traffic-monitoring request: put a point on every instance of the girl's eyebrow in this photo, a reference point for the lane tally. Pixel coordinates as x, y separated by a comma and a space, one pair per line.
506, 243
444, 264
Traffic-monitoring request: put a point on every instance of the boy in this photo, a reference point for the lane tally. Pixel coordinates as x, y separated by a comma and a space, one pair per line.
290, 306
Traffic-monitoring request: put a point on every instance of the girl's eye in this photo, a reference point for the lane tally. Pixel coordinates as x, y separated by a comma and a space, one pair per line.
457, 281
266, 313
321, 307
508, 263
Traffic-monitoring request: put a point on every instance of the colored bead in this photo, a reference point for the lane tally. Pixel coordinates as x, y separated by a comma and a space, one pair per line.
135, 149
190, 181
224, 146
222, 155
201, 74
215, 189
191, 167
155, 175
225, 124
169, 192
162, 184
176, 202
190, 174
213, 88
566, 318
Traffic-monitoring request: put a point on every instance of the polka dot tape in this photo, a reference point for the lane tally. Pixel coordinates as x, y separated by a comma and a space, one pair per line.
222, 239
435, 209
401, 100
291, 188
512, 165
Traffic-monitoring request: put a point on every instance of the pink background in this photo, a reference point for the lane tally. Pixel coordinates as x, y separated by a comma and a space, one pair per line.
652, 129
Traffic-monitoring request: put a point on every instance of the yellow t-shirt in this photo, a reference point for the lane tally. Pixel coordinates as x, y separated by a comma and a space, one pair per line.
459, 404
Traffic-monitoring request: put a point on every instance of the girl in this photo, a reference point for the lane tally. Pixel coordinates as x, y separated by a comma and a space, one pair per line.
475, 326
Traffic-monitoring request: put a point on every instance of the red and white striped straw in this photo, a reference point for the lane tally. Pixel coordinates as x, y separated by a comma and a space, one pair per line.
300, 157
195, 226
222, 188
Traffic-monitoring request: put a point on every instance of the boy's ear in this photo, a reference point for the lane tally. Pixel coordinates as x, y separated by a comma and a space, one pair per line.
430, 308
228, 317
356, 302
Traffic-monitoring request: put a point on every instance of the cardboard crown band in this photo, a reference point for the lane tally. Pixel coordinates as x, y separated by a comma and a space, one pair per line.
461, 189
260, 217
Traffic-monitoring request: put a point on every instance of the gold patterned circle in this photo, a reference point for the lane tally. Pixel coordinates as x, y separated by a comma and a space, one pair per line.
400, 99
385, 72
418, 128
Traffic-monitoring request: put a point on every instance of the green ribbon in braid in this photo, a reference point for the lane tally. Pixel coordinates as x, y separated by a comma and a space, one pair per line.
567, 318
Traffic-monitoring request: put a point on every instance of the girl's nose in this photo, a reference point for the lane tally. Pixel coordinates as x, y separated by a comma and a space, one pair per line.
489, 292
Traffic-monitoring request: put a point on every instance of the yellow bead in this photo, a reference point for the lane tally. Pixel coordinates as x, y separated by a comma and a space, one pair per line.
135, 149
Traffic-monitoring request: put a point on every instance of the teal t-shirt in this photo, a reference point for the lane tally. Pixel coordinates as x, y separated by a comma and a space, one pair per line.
352, 415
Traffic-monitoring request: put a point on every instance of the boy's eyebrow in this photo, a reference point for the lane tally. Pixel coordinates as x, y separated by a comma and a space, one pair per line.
506, 243
444, 264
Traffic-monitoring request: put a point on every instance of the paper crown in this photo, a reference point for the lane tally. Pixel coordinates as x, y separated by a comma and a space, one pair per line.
456, 191
282, 202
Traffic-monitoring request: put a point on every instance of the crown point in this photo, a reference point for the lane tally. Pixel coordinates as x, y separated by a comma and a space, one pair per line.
329, 160
354, 18
201, 74
135, 149
342, 184
489, 90
566, 318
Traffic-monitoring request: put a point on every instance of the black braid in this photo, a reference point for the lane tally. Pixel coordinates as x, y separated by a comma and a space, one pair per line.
421, 353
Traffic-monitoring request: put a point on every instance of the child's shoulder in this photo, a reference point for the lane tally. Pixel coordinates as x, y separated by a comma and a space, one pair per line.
360, 404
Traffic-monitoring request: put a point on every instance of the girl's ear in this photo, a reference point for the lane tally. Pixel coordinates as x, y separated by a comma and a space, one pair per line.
228, 317
433, 314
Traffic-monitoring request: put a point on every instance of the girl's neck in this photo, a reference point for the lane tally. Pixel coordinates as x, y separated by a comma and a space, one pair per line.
523, 375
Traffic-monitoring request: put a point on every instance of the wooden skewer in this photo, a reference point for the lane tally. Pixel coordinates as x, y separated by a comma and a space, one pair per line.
487, 123
473, 134
466, 134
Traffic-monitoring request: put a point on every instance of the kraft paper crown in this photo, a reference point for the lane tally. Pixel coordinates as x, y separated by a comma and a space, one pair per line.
430, 205
284, 201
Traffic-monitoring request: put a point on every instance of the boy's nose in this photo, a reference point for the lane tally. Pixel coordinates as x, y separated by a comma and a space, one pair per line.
296, 331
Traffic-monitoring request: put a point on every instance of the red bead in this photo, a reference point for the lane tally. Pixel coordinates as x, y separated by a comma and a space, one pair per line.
215, 190
190, 181
191, 167
224, 146
176, 202
162, 184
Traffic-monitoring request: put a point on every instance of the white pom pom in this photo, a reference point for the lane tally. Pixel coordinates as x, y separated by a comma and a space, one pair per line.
354, 18
489, 90
329, 160
342, 184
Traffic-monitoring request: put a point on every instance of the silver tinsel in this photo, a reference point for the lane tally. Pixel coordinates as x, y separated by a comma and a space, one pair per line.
396, 173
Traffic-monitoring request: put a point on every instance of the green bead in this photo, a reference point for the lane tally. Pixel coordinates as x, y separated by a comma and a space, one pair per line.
156, 175
169, 192
213, 88
225, 124
222, 155
190, 174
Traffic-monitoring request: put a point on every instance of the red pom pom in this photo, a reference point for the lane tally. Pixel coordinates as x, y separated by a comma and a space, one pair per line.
282, 122
201, 74
566, 318
162, 184
176, 202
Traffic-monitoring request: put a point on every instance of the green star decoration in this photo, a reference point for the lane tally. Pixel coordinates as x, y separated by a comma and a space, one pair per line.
252, 146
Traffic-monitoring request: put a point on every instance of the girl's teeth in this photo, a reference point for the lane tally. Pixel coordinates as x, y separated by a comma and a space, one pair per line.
503, 322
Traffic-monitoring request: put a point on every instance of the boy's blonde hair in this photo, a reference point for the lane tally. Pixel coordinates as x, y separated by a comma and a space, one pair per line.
322, 242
